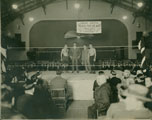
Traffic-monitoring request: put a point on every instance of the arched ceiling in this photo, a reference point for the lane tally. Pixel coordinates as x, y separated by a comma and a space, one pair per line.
8, 14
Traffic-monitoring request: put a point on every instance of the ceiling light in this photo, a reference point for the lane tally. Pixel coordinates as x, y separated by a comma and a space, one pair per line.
31, 19
140, 4
124, 17
9, 34
77, 5
14, 6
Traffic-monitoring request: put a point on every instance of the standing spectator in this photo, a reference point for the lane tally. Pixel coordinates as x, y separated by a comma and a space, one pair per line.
133, 106
92, 57
65, 57
75, 55
85, 58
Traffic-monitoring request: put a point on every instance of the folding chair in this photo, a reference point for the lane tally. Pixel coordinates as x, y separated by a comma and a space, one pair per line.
59, 97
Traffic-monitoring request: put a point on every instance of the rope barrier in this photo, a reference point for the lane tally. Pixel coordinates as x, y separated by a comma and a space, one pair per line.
72, 47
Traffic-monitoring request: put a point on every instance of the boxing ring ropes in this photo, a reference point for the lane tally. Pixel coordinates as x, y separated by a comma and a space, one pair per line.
77, 47
48, 64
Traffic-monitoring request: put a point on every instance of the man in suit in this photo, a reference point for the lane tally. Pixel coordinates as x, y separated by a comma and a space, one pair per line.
102, 97
75, 55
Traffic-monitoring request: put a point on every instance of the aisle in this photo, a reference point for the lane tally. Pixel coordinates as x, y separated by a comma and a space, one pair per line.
78, 109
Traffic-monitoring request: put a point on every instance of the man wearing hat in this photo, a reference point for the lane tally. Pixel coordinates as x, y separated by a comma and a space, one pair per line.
140, 79
132, 107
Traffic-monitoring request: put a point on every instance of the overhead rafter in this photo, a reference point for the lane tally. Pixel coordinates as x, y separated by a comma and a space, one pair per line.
24, 6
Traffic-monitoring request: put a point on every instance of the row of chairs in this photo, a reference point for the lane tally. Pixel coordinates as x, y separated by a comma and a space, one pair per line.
47, 65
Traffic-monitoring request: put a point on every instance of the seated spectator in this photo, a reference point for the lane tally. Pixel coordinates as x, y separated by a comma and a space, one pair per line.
102, 99
114, 82
139, 72
149, 72
96, 82
6, 104
59, 82
133, 106
140, 79
127, 79
148, 82
113, 74
43, 103
25, 103
134, 69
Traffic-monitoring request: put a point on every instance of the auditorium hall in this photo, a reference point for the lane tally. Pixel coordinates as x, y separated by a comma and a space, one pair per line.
76, 59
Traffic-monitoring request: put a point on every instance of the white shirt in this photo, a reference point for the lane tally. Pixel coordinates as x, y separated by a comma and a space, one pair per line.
92, 52
65, 52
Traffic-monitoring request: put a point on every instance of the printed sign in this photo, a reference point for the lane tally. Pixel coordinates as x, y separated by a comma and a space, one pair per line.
89, 27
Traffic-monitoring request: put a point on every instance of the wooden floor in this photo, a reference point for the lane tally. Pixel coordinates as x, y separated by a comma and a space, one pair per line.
78, 109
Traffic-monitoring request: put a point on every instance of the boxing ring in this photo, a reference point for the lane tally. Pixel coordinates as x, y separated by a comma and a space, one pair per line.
80, 84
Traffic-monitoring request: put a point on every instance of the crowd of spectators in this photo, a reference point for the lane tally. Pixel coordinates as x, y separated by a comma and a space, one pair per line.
26, 96
128, 97
29, 97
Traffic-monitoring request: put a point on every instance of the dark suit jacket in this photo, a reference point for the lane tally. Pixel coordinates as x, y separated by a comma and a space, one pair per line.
75, 53
25, 105
103, 98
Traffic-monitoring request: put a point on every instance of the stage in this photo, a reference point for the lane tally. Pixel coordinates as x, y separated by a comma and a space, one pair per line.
80, 84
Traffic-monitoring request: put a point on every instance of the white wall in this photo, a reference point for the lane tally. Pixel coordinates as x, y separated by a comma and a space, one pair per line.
99, 10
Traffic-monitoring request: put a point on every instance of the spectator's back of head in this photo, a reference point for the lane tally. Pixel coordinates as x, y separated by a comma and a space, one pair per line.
139, 72
113, 73
100, 72
114, 81
141, 76
58, 72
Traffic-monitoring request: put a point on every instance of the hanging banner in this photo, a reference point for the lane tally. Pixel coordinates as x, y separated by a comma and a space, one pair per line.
89, 27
